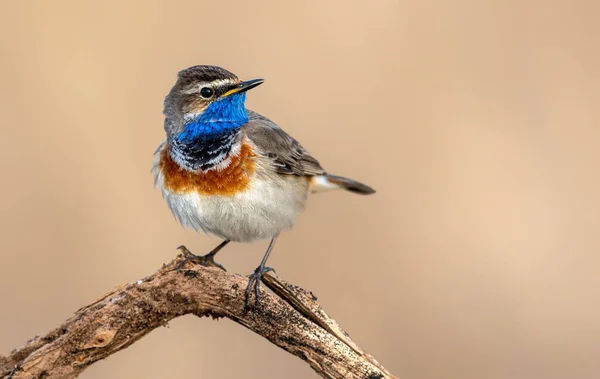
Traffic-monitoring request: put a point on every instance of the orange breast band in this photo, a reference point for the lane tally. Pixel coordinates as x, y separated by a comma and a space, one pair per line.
228, 181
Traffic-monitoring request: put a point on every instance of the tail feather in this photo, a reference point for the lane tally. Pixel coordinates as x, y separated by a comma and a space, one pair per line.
329, 182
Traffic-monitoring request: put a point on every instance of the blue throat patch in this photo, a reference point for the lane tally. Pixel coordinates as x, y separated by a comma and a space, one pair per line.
220, 117
207, 139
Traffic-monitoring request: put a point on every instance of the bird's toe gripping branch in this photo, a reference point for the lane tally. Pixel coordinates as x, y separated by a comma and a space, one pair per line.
254, 281
204, 260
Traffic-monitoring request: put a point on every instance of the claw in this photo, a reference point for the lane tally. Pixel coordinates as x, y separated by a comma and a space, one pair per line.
254, 280
183, 262
184, 250
256, 277
257, 290
204, 260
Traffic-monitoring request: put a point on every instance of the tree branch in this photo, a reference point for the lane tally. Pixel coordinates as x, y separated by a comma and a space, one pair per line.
290, 318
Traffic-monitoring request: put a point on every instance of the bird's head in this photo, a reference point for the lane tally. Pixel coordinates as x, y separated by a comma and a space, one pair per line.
206, 102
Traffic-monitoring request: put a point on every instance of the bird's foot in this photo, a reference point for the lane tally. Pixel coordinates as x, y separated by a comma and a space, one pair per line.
254, 281
204, 260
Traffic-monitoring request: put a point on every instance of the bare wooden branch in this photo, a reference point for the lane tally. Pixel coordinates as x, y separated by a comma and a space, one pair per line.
290, 318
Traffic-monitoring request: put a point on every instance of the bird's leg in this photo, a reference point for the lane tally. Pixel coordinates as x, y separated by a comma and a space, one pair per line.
256, 277
204, 260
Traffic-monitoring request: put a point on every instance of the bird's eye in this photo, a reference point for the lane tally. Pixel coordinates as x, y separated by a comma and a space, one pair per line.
206, 92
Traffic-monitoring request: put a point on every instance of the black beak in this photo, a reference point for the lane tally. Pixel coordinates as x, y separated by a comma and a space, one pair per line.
244, 86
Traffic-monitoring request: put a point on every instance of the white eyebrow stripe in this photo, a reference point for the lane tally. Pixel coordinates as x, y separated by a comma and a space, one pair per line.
215, 83
220, 82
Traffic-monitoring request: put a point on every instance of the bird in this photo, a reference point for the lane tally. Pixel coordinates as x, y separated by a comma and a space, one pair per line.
230, 172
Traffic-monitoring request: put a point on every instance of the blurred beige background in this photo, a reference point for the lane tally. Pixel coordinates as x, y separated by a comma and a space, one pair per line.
477, 122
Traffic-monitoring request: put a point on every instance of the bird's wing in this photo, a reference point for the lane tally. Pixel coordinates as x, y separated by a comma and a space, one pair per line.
287, 155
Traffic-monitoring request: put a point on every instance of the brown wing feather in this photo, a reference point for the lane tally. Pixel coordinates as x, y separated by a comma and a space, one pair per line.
288, 156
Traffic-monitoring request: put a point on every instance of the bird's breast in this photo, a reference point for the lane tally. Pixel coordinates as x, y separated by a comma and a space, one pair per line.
232, 176
241, 201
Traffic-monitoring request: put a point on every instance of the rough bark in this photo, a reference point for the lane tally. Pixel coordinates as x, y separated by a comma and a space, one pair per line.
290, 318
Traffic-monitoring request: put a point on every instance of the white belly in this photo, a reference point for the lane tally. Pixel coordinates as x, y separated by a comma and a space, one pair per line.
264, 210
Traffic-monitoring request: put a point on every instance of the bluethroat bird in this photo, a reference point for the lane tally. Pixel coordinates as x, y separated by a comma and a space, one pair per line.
231, 172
